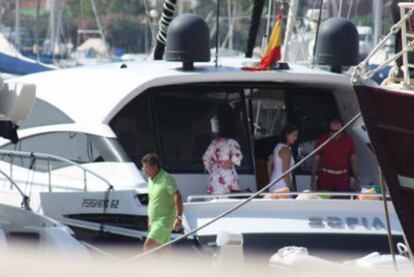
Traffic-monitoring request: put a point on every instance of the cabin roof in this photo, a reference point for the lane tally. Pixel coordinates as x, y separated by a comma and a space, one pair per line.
107, 88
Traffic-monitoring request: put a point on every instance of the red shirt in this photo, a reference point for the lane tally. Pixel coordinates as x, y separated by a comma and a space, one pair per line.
336, 154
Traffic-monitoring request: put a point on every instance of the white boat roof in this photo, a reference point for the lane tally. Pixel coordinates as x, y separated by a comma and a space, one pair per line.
107, 88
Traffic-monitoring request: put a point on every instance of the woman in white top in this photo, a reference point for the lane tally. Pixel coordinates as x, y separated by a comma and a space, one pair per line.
282, 159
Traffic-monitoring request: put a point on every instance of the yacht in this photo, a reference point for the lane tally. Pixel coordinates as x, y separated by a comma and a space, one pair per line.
106, 117
19, 224
387, 110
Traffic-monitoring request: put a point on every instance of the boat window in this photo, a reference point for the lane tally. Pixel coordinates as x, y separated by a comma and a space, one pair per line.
178, 122
133, 127
74, 146
28, 239
187, 123
44, 114
311, 109
271, 108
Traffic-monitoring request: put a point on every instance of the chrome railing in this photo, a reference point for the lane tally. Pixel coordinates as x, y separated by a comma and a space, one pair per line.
25, 199
327, 194
49, 159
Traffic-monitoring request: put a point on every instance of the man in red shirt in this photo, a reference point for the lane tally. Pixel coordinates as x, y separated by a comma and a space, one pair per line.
334, 161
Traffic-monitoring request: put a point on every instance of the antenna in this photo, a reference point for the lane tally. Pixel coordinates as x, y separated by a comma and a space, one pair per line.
217, 30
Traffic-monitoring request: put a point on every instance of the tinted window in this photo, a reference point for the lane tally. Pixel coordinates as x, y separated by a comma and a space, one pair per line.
187, 124
311, 110
268, 111
133, 127
77, 147
44, 114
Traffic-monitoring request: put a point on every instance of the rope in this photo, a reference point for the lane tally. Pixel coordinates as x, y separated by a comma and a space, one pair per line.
254, 195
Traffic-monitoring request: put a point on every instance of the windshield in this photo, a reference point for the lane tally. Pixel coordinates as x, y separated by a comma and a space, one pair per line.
107, 149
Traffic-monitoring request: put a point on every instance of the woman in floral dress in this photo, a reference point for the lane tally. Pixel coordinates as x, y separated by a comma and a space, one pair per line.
223, 154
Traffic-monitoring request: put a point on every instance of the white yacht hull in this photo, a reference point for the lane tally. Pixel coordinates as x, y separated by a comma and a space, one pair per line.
20, 225
117, 212
290, 220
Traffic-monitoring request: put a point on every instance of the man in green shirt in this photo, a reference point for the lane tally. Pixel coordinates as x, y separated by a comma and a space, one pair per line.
165, 206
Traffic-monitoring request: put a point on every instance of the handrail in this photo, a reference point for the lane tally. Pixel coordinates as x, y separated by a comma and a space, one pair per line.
26, 199
48, 157
193, 198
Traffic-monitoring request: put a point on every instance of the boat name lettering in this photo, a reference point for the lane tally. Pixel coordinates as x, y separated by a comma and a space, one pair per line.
99, 203
336, 222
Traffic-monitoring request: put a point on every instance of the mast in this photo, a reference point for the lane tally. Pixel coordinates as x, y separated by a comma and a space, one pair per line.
98, 21
293, 7
52, 25
17, 25
341, 4
36, 33
256, 16
377, 11
230, 22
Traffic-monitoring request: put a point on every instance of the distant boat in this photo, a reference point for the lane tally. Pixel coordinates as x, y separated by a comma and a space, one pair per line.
13, 62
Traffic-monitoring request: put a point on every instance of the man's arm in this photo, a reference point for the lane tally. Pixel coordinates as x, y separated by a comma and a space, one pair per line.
355, 170
178, 201
314, 177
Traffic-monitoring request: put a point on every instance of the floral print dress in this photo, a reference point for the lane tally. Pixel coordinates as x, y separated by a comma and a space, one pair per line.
219, 151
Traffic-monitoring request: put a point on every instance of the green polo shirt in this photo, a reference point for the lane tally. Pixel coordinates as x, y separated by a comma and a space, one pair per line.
161, 206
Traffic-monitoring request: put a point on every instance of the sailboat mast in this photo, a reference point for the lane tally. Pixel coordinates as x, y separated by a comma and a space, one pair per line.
267, 34
52, 28
17, 25
257, 10
377, 9
98, 21
230, 24
291, 20
36, 33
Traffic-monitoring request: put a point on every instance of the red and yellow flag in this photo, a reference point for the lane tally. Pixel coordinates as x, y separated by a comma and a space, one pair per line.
273, 48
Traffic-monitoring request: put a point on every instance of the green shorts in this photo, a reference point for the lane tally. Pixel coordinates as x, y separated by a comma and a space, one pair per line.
160, 232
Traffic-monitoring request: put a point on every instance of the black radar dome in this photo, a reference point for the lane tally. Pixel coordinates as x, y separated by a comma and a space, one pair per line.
337, 43
188, 40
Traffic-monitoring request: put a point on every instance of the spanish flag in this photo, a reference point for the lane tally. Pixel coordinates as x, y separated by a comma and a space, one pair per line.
273, 49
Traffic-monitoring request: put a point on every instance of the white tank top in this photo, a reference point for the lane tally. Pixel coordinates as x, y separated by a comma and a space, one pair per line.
278, 168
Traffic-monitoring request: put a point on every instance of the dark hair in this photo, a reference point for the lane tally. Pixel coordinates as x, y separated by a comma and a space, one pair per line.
227, 122
335, 120
287, 130
151, 159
